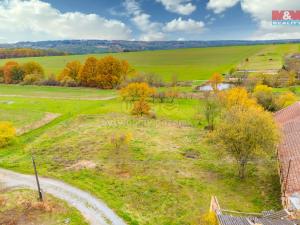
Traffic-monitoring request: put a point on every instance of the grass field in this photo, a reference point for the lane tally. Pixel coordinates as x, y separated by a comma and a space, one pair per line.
187, 64
22, 207
269, 58
166, 174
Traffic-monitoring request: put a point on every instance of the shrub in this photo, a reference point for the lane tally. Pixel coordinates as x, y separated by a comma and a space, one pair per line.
32, 79
50, 81
285, 100
7, 133
141, 107
264, 96
68, 82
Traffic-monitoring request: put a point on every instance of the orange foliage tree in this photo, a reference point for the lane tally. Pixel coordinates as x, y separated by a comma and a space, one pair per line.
106, 73
71, 71
8, 69
215, 80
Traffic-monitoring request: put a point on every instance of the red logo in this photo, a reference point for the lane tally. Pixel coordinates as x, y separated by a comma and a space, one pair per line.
285, 15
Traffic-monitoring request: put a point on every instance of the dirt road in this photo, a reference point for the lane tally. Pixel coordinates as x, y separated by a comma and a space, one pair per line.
94, 210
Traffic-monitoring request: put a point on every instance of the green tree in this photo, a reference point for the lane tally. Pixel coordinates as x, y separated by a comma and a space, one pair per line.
246, 133
211, 111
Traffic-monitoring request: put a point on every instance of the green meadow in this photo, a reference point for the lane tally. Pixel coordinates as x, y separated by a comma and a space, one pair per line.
186, 64
166, 174
167, 171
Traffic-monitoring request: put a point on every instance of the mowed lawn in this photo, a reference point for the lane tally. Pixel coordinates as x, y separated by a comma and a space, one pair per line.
186, 64
165, 175
270, 57
55, 92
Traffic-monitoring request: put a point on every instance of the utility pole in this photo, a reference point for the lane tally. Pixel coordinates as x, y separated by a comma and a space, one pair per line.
37, 179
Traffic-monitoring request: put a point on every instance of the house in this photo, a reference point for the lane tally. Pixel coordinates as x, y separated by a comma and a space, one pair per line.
225, 217
288, 120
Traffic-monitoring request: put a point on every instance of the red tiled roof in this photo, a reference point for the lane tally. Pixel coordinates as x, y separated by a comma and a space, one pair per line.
289, 148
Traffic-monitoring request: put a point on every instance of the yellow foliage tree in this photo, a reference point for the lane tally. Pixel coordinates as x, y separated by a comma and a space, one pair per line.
111, 72
71, 71
7, 133
215, 80
264, 96
88, 74
285, 100
237, 97
135, 91
33, 68
141, 107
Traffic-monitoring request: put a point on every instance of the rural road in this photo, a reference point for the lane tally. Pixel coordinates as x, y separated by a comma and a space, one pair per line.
94, 210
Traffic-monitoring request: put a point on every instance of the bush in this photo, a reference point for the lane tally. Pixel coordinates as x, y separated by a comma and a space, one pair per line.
32, 79
209, 219
68, 82
7, 133
141, 107
50, 81
264, 96
285, 100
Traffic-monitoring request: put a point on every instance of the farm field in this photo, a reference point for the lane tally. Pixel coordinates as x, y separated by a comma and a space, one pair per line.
269, 58
21, 207
187, 64
166, 174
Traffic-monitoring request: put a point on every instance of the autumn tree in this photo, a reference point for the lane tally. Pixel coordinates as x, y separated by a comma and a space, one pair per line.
215, 80
7, 133
8, 71
135, 91
246, 133
141, 108
237, 96
88, 73
285, 100
33, 68
70, 73
111, 72
264, 96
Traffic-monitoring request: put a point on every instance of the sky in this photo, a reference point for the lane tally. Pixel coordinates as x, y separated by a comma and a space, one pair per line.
144, 20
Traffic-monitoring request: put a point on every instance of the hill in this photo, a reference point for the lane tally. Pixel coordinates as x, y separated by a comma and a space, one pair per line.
187, 64
104, 46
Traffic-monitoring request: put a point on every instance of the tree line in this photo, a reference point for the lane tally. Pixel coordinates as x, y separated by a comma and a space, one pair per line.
6, 53
106, 73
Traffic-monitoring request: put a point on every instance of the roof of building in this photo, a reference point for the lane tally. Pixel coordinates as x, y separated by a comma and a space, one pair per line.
289, 148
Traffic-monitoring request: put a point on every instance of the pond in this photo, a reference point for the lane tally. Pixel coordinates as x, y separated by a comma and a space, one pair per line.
207, 87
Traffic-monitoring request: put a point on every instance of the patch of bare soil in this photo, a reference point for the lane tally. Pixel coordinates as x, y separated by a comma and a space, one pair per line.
83, 164
37, 124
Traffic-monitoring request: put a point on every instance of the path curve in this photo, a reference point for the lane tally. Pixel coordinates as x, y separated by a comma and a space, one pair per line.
94, 210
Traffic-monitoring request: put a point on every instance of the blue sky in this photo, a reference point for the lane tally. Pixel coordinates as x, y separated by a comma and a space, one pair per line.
33, 20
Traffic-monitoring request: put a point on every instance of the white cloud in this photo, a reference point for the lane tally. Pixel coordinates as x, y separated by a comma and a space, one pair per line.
183, 7
31, 20
151, 31
188, 26
219, 6
261, 12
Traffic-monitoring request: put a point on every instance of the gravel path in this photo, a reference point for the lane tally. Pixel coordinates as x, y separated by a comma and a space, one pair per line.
94, 210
